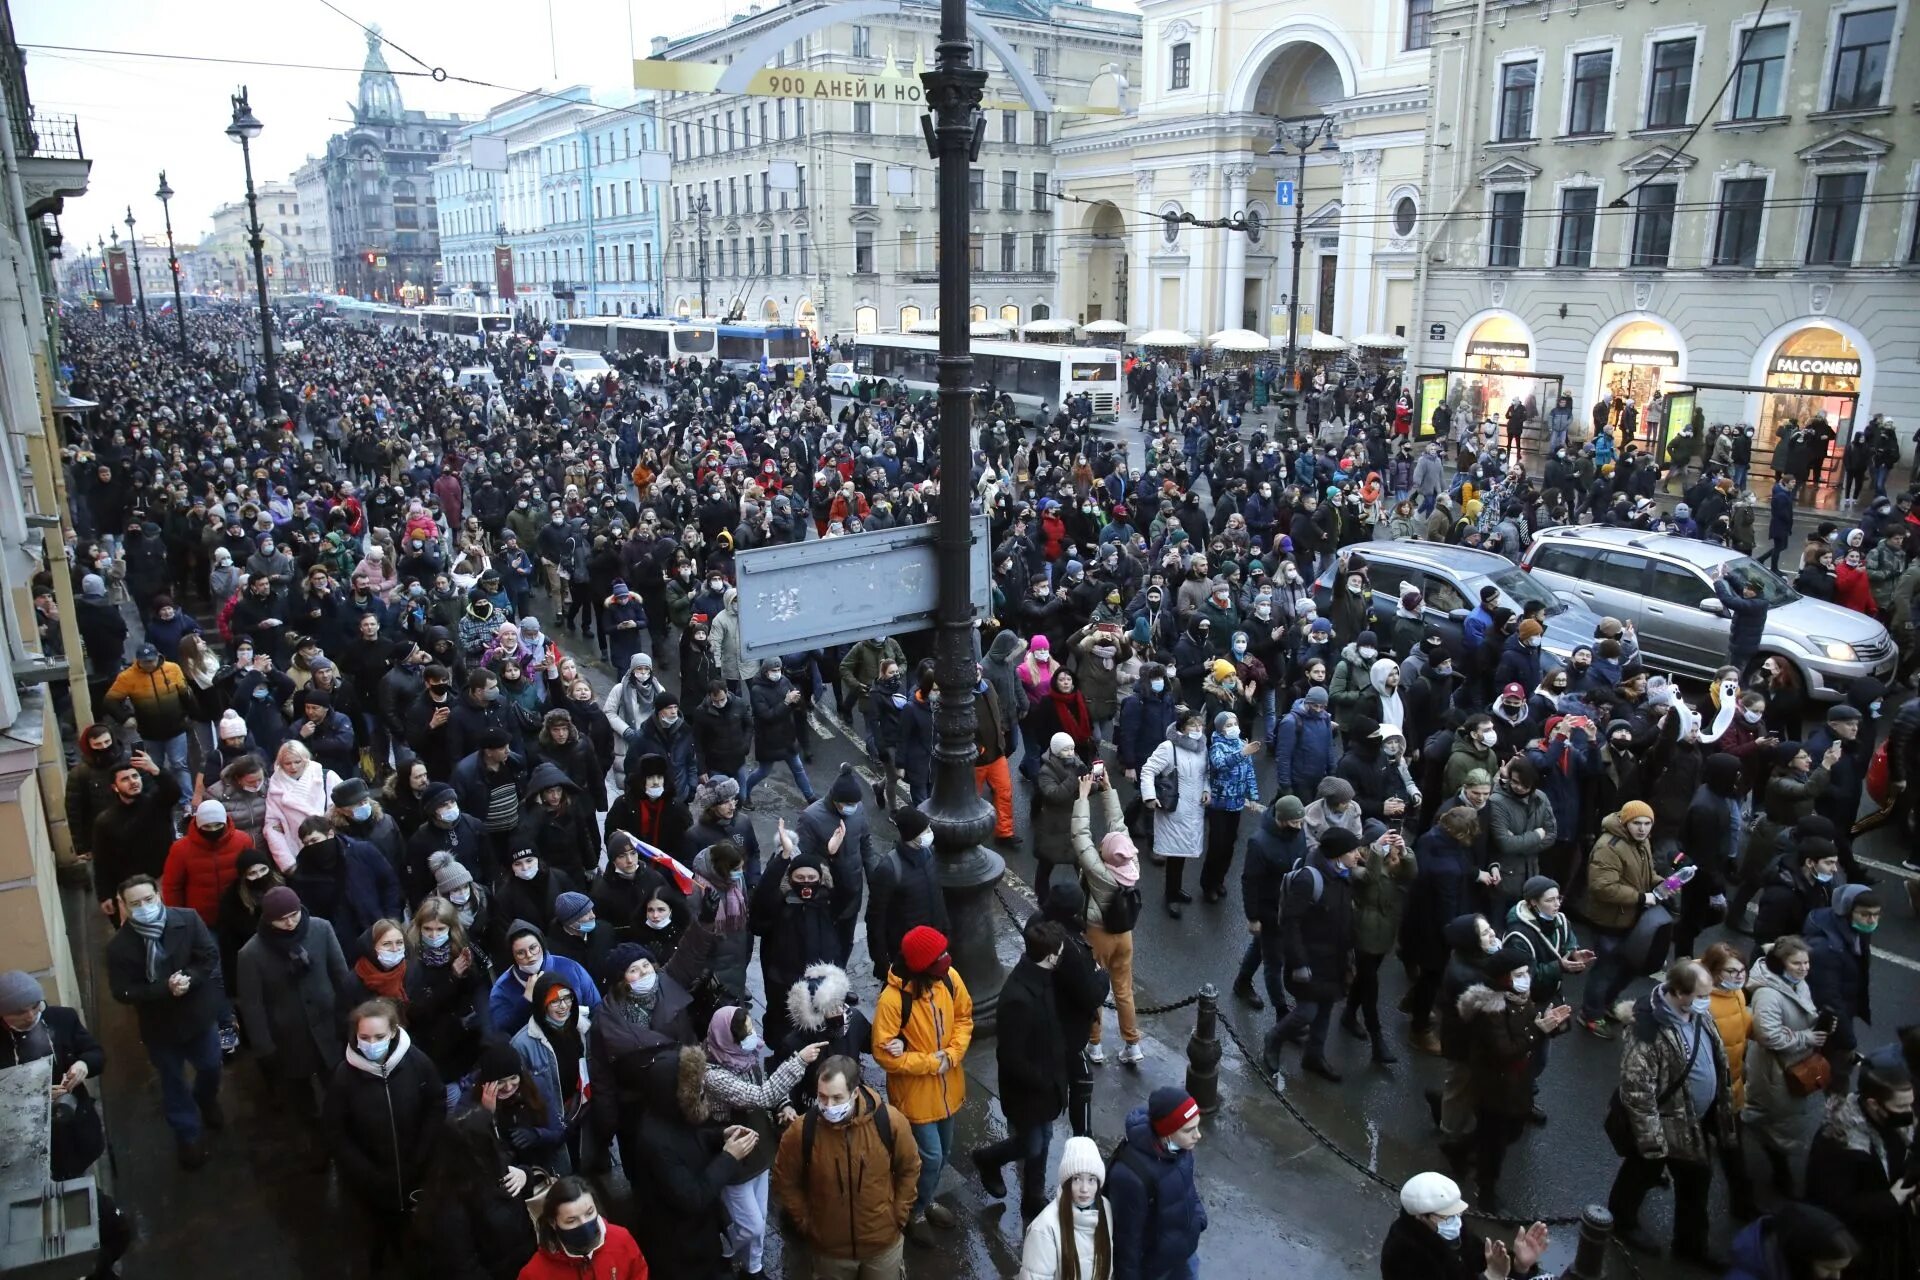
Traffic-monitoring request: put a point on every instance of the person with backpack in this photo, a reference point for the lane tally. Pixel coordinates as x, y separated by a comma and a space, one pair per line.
847, 1174
1158, 1215
1315, 946
903, 889
922, 1027
1110, 875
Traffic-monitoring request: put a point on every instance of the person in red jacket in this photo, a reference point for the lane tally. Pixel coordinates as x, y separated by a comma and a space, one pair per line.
576, 1243
203, 862
1852, 588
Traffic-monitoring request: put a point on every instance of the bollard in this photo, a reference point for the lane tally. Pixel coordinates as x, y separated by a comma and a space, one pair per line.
1590, 1256
1203, 1053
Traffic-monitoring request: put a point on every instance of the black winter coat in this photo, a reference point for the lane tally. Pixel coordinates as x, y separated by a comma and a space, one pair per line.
1271, 853
775, 736
723, 735
381, 1125
681, 1173
1318, 935
483, 1236
186, 946
903, 892
1031, 1048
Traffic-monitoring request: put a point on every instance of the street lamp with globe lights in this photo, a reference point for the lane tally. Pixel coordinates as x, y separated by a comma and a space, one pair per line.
133, 247
164, 195
244, 129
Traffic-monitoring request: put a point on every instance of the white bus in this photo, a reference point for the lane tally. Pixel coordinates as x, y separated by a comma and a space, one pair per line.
744, 346
654, 339
469, 326
1031, 374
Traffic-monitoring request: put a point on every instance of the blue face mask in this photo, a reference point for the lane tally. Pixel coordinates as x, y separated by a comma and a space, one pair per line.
361, 812
585, 927
261, 692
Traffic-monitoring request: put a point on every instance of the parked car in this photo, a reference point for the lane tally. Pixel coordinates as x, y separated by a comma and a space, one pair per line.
1450, 579
574, 367
841, 378
1660, 582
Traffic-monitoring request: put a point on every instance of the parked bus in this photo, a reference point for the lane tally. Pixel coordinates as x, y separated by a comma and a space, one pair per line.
1031, 374
614, 335
742, 347
469, 326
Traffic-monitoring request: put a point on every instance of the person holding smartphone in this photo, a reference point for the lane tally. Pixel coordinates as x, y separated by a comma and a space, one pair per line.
1539, 926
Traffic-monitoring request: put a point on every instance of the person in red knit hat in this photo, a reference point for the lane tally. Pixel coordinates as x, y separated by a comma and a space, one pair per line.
576, 1243
922, 1026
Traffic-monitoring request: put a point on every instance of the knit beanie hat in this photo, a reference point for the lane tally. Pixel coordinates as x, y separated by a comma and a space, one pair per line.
277, 902
1531, 630
19, 992
846, 787
231, 725
1537, 886
498, 1061
910, 823
1081, 1156
1289, 809
93, 585
1169, 1109
921, 947
1635, 809
1061, 744
448, 873
570, 906
613, 969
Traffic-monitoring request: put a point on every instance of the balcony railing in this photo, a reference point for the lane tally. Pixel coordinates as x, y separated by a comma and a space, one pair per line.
55, 136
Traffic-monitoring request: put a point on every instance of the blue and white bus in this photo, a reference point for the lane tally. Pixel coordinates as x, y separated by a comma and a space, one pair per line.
612, 336
470, 327
1036, 376
744, 347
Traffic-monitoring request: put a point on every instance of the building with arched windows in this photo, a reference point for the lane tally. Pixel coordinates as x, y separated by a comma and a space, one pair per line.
1219, 80
1715, 205
380, 200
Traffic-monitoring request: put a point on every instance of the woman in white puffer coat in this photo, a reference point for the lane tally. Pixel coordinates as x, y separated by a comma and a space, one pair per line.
1072, 1238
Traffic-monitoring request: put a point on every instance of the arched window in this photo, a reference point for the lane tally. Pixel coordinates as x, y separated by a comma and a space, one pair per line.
1041, 311
1010, 315
976, 313
909, 317
866, 319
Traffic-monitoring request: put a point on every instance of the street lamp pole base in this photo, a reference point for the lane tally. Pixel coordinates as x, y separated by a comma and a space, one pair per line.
969, 874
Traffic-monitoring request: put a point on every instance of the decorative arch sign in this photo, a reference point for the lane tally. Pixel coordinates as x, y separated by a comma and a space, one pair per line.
749, 73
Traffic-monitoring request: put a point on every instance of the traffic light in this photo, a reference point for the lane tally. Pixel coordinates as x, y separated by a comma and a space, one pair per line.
369, 255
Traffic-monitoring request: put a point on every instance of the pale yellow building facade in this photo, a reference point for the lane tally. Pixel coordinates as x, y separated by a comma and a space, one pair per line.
1218, 79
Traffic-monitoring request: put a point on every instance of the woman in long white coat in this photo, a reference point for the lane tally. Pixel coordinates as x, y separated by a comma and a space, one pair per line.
1784, 1033
1072, 1238
1179, 832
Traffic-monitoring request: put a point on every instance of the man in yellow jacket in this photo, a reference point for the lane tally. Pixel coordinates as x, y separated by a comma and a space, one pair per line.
922, 1025
162, 703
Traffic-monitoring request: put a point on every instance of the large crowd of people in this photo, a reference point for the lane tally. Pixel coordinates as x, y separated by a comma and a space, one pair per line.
355, 810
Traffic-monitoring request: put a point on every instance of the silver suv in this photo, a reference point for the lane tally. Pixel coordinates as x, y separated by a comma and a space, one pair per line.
1660, 583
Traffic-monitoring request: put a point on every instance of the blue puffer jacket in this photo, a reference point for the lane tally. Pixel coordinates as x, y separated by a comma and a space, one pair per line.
1230, 780
1303, 753
1154, 1232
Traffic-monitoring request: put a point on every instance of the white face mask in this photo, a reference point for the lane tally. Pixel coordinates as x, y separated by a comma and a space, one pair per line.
1488, 737
924, 840
654, 793
390, 959
1522, 981
1449, 1228
838, 1112
526, 872
751, 1044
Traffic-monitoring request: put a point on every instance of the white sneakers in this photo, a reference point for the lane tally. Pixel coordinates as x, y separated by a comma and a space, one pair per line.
1096, 1055
1133, 1055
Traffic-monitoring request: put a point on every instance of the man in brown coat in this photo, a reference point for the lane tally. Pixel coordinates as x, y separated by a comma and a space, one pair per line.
851, 1144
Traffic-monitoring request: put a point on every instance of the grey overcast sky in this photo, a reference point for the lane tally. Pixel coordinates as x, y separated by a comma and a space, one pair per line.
139, 115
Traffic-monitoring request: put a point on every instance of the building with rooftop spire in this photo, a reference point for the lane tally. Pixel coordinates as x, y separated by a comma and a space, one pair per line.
379, 213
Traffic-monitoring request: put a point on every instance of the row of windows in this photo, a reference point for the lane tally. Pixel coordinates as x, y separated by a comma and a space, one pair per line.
862, 47
570, 154
1009, 185
1859, 79
691, 199
1833, 233
909, 252
721, 132
754, 263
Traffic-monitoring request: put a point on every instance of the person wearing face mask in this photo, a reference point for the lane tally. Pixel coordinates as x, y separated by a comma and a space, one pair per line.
1789, 1033
164, 963
357, 814
1144, 716
553, 1043
1673, 1107
903, 890
852, 1224
1072, 1238
577, 933
666, 734
819, 1010
204, 862
1430, 1240
1158, 1213
791, 909
343, 880
385, 1105
443, 989
35, 1029
292, 974
1503, 1030
1474, 747
1030, 1053
1839, 939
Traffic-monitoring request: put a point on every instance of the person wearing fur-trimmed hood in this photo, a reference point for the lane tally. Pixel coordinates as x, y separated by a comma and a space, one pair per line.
819, 1008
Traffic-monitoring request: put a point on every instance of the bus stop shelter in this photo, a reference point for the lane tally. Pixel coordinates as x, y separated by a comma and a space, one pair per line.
1480, 392
1684, 398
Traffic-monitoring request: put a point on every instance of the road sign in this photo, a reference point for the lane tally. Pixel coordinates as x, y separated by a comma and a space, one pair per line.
1436, 333
808, 595
1283, 193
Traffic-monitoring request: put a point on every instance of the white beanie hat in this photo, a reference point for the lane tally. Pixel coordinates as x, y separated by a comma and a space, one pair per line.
211, 813
1081, 1156
231, 725
1061, 744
